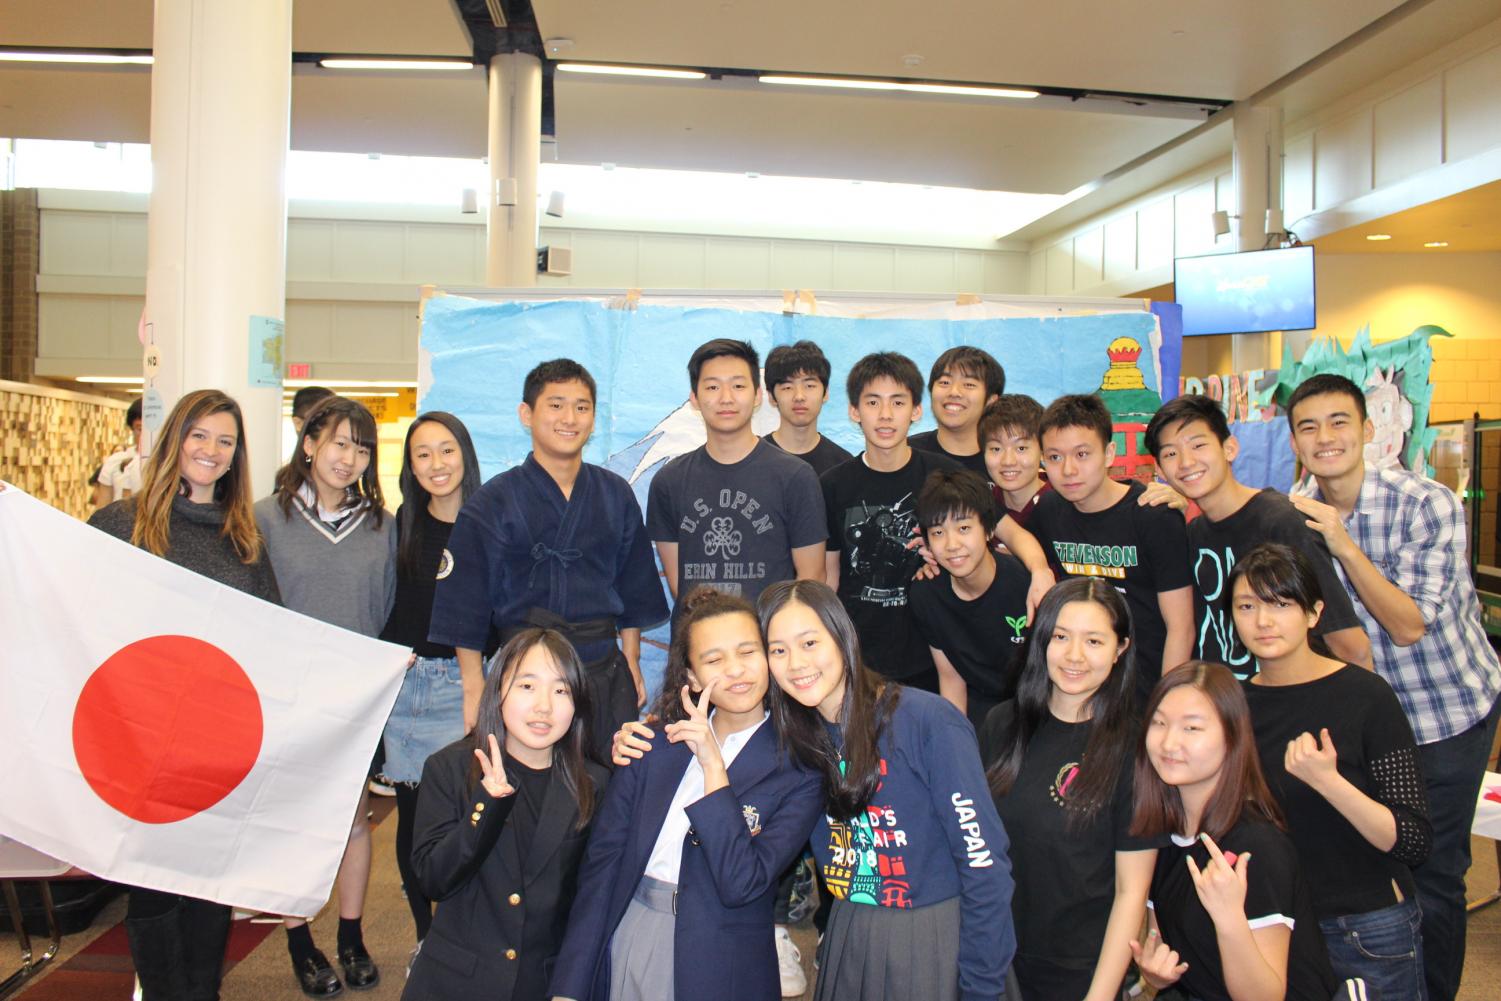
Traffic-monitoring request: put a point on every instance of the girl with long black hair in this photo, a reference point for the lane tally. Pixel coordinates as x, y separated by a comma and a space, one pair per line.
503, 816
910, 847
1060, 773
439, 470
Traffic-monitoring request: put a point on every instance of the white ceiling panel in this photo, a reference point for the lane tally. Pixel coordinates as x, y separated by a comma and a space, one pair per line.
1225, 49
1006, 146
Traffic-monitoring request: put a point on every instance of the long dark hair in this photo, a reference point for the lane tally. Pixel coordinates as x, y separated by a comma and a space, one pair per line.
1159, 806
163, 480
701, 604
1111, 720
414, 497
572, 745
868, 704
328, 414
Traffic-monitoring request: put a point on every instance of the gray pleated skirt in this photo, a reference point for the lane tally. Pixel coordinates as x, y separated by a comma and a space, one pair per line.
641, 950
889, 954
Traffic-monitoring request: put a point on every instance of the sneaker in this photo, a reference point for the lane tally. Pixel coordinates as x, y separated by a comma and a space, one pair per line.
382, 786
790, 965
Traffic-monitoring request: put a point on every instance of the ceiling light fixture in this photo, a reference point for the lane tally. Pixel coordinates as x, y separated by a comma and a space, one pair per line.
1378, 237
952, 89
62, 56
651, 71
110, 380
396, 64
1437, 243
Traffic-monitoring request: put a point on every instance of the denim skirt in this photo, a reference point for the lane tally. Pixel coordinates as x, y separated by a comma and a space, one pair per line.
428, 715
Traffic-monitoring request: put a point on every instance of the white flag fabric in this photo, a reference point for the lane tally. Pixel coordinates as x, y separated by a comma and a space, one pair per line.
163, 730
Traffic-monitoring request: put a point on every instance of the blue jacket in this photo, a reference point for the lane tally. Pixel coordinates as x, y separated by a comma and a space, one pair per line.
741, 840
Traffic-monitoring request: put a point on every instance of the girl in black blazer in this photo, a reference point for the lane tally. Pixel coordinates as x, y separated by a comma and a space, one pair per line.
502, 819
676, 890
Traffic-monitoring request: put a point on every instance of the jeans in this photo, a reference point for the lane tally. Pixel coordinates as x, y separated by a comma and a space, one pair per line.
1384, 947
428, 716
1453, 770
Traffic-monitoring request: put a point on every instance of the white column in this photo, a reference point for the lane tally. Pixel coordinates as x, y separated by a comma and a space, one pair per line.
1257, 175
217, 223
515, 132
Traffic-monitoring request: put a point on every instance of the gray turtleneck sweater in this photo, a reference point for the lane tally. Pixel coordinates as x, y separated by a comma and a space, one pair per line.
196, 543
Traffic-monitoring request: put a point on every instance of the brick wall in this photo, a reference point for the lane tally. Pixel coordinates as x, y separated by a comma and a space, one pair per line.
20, 226
1466, 377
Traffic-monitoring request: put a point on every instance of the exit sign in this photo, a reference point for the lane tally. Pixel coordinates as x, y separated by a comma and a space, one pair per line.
300, 370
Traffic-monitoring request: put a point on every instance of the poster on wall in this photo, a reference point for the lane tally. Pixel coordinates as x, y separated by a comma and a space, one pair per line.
476, 352
1394, 375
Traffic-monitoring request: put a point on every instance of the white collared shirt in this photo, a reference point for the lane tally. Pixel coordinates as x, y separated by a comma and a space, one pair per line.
667, 855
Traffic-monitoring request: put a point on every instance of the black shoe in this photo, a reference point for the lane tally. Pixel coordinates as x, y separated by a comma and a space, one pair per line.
316, 977
359, 969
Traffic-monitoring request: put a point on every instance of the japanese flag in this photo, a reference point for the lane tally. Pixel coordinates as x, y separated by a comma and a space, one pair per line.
163, 730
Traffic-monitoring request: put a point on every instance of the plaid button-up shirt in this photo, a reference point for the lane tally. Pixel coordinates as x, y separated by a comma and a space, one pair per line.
1413, 529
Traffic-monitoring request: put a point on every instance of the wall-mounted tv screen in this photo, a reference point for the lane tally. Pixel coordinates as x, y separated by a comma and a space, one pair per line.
1246, 293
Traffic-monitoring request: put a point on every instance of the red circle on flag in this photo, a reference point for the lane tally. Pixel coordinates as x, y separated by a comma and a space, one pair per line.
167, 727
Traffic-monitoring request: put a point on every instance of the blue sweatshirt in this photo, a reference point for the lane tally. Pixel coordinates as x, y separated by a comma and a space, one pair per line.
930, 834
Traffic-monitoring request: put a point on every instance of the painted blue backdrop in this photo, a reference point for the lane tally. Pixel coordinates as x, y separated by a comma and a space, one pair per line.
480, 351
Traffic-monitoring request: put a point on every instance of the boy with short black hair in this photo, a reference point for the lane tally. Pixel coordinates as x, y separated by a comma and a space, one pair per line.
1401, 544
974, 616
1093, 526
797, 380
554, 542
871, 503
1008, 442
962, 383
734, 513
1191, 441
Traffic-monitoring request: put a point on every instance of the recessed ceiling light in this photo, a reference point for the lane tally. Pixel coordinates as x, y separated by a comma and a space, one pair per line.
957, 90
95, 58
651, 71
396, 64
1437, 243
1379, 236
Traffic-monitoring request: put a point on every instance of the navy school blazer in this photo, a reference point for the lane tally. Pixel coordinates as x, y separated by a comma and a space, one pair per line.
741, 840
501, 905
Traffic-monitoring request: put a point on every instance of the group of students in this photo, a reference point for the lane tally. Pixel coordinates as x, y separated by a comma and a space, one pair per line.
834, 621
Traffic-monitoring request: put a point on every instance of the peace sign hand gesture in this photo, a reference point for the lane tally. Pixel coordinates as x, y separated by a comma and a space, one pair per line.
695, 729
1222, 883
493, 771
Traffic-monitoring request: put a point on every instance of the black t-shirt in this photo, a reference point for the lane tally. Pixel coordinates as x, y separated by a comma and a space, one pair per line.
928, 442
413, 610
1275, 894
1214, 547
1064, 872
870, 520
983, 638
735, 525
1376, 754
822, 457
1143, 551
